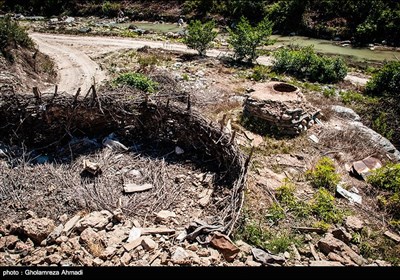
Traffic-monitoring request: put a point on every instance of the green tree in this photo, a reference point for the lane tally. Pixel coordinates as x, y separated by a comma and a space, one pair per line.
245, 39
386, 82
200, 36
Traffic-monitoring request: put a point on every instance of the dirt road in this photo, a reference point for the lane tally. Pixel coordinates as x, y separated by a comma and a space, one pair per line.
73, 56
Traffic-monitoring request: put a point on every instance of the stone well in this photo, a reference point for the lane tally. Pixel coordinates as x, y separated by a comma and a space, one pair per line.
281, 108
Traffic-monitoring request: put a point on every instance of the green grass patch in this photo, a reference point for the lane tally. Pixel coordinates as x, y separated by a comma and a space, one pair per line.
136, 80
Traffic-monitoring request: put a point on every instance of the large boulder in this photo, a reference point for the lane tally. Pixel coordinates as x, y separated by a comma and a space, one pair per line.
37, 229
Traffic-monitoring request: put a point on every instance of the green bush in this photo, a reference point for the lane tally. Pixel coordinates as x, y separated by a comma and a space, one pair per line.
387, 177
200, 36
323, 206
12, 35
245, 39
137, 80
110, 9
324, 174
304, 63
285, 195
386, 82
260, 73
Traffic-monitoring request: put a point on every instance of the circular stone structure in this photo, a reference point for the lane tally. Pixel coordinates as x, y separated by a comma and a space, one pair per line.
279, 107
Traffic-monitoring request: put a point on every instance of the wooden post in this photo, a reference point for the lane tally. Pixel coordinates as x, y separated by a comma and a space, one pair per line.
223, 121
233, 137
246, 165
189, 104
37, 93
55, 90
76, 95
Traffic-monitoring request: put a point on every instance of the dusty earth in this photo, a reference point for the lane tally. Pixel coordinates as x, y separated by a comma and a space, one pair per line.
74, 56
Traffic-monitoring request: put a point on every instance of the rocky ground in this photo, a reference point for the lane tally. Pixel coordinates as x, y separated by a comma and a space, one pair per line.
110, 239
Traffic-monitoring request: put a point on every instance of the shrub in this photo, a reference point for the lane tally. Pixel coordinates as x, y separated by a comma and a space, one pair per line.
304, 63
245, 39
387, 177
260, 73
386, 82
12, 35
324, 174
275, 213
110, 9
285, 195
200, 36
323, 206
137, 80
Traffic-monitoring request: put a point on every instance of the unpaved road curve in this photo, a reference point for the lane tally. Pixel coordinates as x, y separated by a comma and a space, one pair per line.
72, 54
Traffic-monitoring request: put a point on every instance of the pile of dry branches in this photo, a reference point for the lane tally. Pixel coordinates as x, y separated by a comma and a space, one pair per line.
48, 123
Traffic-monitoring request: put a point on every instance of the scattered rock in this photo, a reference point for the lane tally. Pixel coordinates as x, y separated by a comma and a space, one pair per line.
98, 220
63, 218
126, 258
69, 226
118, 215
149, 244
314, 138
91, 167
342, 234
313, 252
392, 236
354, 223
132, 188
53, 259
364, 167
8, 242
266, 258
90, 238
295, 252
329, 244
55, 234
382, 263
134, 234
133, 244
243, 246
325, 263
251, 262
98, 262
352, 197
179, 150
164, 215
345, 112
108, 253
160, 230
225, 246
335, 257
205, 197
37, 229
180, 256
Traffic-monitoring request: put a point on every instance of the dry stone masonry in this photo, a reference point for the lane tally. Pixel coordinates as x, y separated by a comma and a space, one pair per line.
281, 107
